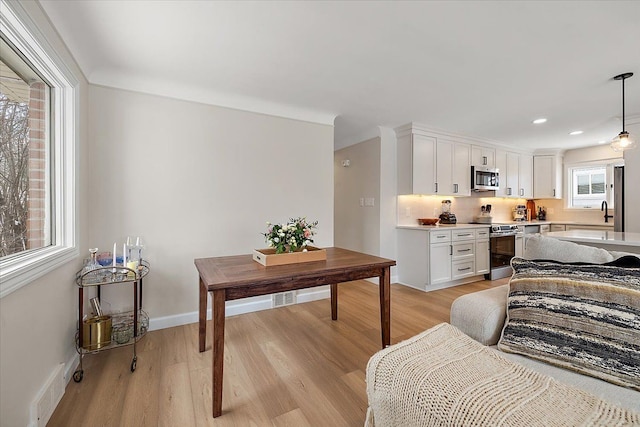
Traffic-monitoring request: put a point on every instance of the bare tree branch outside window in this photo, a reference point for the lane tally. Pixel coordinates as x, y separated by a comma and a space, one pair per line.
14, 175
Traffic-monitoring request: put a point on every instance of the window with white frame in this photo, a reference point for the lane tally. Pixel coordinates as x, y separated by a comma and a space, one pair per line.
590, 185
25, 152
38, 109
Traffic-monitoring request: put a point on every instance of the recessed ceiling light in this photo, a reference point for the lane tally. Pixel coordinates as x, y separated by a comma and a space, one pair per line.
539, 121
602, 142
575, 132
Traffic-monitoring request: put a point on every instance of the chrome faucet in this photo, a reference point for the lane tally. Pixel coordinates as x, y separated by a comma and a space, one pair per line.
605, 208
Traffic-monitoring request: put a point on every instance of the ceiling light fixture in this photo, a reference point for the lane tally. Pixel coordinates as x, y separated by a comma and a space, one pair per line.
623, 141
539, 121
575, 132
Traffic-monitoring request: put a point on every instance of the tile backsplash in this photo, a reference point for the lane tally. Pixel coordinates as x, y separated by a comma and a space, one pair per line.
410, 208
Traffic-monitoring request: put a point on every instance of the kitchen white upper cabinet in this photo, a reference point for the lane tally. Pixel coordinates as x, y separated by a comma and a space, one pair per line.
453, 168
547, 177
416, 164
513, 174
501, 165
516, 174
434, 166
461, 169
525, 176
444, 167
483, 156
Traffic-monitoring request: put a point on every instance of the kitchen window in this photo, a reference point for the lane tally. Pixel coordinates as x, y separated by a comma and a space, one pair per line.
39, 131
590, 185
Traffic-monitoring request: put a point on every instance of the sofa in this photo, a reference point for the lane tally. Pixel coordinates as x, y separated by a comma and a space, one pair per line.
495, 365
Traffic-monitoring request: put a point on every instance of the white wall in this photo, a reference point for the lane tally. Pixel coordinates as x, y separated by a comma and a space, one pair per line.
197, 181
358, 227
38, 321
388, 191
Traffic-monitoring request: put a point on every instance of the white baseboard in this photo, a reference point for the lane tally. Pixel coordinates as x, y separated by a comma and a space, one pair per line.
233, 308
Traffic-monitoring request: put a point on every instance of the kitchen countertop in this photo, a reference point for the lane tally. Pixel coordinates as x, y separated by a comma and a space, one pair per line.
536, 222
478, 225
602, 237
442, 226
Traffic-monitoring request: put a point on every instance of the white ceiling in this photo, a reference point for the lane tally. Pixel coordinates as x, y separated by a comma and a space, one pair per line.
484, 68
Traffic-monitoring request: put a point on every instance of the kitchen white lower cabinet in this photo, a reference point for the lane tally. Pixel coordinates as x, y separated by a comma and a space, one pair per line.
463, 255
520, 245
436, 258
439, 263
570, 227
483, 253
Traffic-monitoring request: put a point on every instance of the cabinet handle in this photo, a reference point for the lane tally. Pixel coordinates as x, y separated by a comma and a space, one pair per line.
455, 188
464, 250
441, 237
508, 191
464, 269
436, 187
450, 249
522, 191
554, 192
484, 160
465, 234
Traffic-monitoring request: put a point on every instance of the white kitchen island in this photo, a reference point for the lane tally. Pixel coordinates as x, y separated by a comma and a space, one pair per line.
609, 240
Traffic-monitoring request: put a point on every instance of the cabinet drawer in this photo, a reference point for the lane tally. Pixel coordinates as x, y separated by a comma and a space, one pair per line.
558, 227
463, 235
440, 236
482, 234
545, 228
460, 269
462, 250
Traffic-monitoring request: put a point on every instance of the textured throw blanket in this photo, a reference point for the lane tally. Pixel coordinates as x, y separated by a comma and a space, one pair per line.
442, 377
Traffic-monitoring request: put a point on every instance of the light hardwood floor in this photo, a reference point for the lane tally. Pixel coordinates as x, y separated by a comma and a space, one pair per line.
290, 366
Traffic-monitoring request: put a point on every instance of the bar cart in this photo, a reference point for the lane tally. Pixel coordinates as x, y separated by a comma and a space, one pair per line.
95, 334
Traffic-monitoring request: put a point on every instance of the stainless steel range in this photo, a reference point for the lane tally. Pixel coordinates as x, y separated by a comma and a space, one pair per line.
505, 243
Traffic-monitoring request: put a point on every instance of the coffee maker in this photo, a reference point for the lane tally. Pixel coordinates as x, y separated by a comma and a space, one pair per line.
447, 217
520, 213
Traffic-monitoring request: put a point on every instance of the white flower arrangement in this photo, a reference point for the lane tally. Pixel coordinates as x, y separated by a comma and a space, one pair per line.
292, 236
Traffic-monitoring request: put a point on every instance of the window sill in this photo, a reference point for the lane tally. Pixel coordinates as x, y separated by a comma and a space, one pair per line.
21, 271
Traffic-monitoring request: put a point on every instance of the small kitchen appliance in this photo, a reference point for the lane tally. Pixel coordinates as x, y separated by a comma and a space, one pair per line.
447, 217
484, 178
485, 215
520, 213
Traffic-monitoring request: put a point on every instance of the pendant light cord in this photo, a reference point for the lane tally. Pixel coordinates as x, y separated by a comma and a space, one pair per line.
623, 128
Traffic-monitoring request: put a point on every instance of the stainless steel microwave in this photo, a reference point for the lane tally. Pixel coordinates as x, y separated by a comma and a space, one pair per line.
484, 178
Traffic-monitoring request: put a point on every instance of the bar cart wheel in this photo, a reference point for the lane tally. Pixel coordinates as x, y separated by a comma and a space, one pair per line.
78, 375
133, 363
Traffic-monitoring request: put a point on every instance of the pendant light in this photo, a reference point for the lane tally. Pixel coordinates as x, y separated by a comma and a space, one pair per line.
623, 141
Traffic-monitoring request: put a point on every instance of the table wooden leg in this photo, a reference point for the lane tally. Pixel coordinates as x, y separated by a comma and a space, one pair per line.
334, 301
385, 306
218, 350
202, 317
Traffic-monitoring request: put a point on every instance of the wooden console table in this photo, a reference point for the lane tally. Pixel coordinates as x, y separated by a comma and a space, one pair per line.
233, 277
